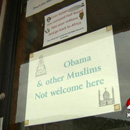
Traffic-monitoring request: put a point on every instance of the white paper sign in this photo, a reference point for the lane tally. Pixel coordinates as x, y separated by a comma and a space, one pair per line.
75, 79
35, 6
65, 23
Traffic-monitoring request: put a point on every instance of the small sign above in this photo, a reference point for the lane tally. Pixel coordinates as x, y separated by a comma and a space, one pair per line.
35, 6
65, 23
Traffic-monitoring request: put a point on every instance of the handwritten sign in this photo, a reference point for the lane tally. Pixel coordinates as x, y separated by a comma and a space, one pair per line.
35, 6
65, 23
75, 79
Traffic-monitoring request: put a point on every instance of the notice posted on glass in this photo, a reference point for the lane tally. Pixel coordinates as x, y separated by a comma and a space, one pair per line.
35, 6
65, 23
66, 84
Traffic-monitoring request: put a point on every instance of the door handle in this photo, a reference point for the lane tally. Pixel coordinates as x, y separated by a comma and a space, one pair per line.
2, 96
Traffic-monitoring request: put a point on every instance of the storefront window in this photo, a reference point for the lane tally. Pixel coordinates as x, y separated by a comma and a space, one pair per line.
36, 35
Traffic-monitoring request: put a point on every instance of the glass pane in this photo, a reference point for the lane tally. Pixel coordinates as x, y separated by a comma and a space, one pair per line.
99, 14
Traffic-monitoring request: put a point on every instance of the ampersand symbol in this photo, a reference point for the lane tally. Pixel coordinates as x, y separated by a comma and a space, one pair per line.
39, 84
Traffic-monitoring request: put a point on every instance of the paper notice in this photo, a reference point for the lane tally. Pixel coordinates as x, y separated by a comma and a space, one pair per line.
75, 79
65, 23
35, 6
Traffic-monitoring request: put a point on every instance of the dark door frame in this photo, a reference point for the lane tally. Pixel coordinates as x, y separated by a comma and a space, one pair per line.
7, 57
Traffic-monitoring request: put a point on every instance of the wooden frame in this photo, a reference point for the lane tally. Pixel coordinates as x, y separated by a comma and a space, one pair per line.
8, 56
3, 4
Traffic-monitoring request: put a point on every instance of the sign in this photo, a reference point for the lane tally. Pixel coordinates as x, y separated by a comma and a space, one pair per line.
75, 79
65, 23
35, 6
